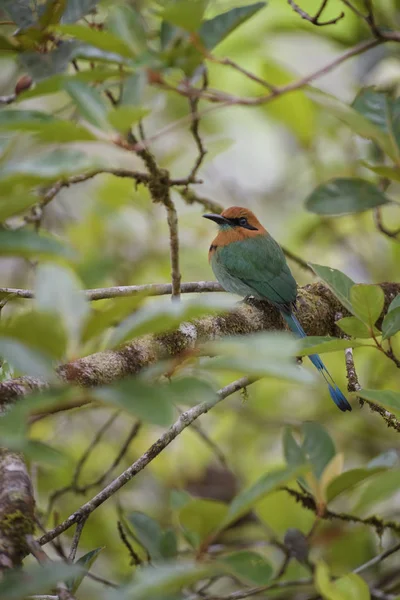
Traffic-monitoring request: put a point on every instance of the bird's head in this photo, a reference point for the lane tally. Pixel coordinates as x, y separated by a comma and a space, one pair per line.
241, 220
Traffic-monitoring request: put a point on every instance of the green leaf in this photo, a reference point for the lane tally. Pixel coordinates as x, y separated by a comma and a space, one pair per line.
29, 244
45, 127
133, 89
318, 446
394, 303
124, 117
293, 451
356, 328
43, 65
37, 579
352, 587
357, 122
213, 31
383, 487
148, 533
43, 453
168, 544
337, 282
266, 484
391, 323
126, 23
321, 345
100, 39
350, 479
16, 203
89, 102
200, 518
324, 584
25, 360
184, 14
19, 11
384, 171
259, 354
85, 563
367, 302
57, 290
250, 567
56, 83
343, 196
76, 9
387, 398
110, 314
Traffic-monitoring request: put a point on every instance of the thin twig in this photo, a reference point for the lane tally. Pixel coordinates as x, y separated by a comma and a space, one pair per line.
194, 128
135, 558
390, 233
172, 219
315, 20
184, 421
75, 541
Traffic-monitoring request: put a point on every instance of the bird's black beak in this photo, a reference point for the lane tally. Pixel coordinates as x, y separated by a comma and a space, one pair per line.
219, 219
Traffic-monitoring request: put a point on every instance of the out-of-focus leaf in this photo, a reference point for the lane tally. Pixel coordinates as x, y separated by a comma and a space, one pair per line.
85, 562
293, 451
76, 9
200, 518
266, 484
391, 322
126, 23
163, 581
297, 544
356, 328
384, 486
19, 11
52, 12
133, 89
163, 315
9, 44
387, 459
339, 283
178, 499
56, 83
343, 196
350, 479
349, 587
367, 302
187, 15
27, 244
89, 102
387, 398
355, 120
43, 65
168, 544
250, 567
44, 126
148, 532
213, 31
123, 117
321, 344
383, 111
259, 354
16, 203
26, 360
109, 315
38, 579
40, 330
41, 453
384, 171
318, 446
57, 290
104, 40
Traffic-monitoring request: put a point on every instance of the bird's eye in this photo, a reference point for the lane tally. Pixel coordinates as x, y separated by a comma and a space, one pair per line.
242, 221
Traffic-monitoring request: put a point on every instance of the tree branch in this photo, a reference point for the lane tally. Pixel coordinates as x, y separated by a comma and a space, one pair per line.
315, 19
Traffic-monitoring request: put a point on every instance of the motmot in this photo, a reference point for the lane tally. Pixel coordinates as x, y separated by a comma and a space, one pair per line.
247, 261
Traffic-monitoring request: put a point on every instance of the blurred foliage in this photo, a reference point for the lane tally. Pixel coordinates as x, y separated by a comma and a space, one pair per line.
274, 485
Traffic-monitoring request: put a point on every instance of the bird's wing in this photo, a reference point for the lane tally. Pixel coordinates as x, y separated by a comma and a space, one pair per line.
259, 262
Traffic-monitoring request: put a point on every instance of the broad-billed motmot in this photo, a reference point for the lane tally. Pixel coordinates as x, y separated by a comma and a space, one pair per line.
247, 261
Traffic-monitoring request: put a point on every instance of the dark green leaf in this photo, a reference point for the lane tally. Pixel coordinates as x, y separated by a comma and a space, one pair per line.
382, 111
213, 31
317, 446
184, 14
168, 544
387, 398
19, 11
28, 243
89, 102
356, 328
337, 282
343, 196
100, 39
76, 9
124, 117
200, 518
394, 303
37, 579
391, 323
367, 302
293, 452
348, 480
85, 563
148, 532
56, 83
320, 344
41, 66
249, 566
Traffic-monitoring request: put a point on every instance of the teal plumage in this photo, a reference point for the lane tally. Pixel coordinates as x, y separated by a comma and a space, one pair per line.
247, 261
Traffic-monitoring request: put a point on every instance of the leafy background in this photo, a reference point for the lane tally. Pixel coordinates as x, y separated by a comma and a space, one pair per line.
320, 167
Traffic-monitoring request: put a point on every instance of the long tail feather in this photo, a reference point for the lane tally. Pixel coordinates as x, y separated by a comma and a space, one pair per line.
335, 393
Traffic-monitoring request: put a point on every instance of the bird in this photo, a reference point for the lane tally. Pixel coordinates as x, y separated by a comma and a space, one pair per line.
248, 261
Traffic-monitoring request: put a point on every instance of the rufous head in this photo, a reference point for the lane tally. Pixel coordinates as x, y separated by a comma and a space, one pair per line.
240, 220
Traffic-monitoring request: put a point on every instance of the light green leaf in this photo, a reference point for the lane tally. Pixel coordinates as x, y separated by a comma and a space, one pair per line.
124, 117
213, 31
133, 89
387, 398
27, 361
100, 39
85, 563
89, 102
384, 486
266, 484
343, 196
38, 579
367, 302
352, 587
28, 243
184, 14
259, 354
324, 584
250, 567
110, 314
57, 290
321, 345
16, 203
56, 83
126, 23
45, 127
384, 171
350, 479
356, 328
147, 532
339, 283
200, 518
391, 323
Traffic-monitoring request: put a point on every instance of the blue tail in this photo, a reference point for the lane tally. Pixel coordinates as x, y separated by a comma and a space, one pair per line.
336, 395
